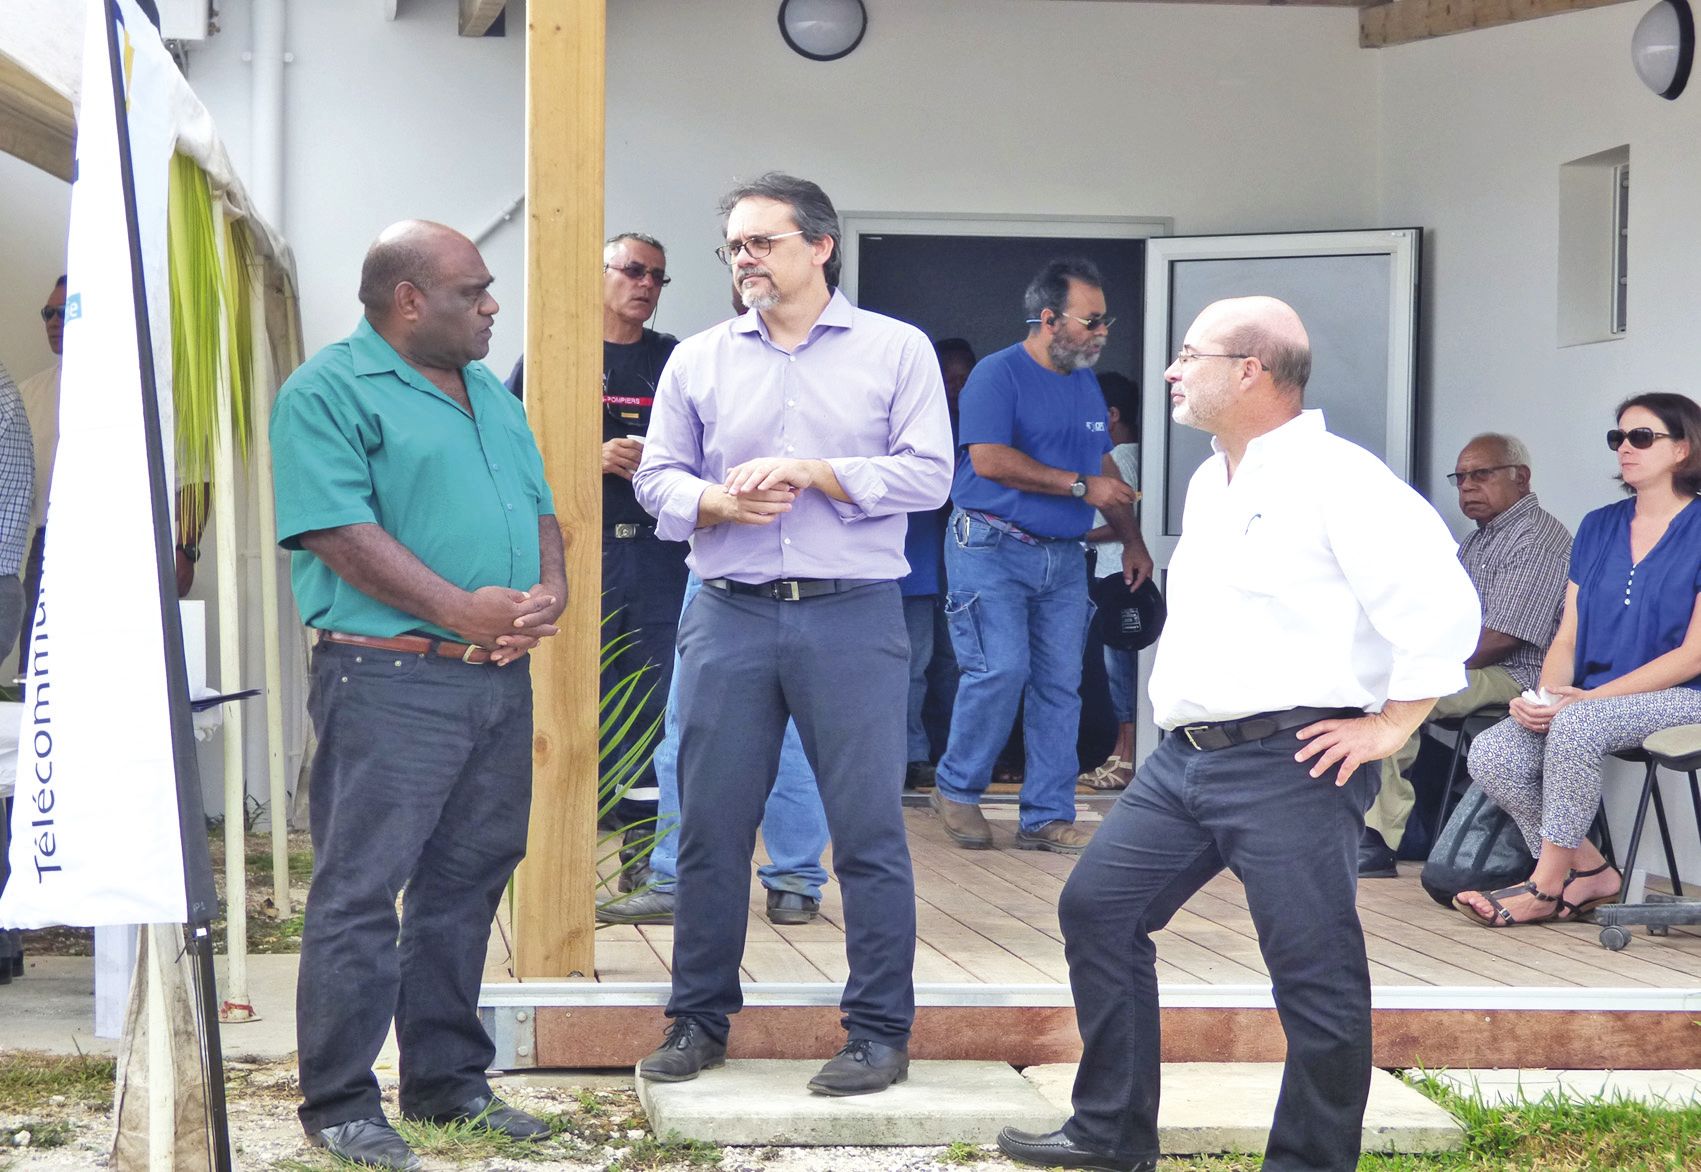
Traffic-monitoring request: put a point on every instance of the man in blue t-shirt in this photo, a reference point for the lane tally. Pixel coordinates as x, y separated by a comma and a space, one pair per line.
1033, 462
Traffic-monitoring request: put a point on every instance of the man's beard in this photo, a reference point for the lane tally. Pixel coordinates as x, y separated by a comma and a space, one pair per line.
759, 299
1067, 357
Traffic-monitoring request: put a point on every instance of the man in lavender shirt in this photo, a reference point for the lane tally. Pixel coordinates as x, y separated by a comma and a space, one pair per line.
788, 445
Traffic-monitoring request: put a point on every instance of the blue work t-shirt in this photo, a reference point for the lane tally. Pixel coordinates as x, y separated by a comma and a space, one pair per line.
1629, 615
1057, 419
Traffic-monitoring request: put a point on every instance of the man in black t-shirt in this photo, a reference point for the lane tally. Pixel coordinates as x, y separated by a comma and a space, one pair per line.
643, 578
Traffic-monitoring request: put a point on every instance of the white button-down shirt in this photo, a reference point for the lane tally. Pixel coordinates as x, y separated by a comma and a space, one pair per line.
1315, 577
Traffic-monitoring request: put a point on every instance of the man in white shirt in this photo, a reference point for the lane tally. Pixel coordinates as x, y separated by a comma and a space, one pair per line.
1316, 611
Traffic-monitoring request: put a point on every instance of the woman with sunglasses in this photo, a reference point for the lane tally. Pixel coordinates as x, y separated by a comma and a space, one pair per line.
1625, 662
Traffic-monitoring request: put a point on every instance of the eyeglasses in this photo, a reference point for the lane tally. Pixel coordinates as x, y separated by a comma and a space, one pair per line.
49, 312
1184, 356
1477, 475
1099, 321
756, 247
1639, 437
637, 272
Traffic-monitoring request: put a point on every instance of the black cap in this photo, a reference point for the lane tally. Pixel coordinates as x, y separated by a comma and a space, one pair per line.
1128, 620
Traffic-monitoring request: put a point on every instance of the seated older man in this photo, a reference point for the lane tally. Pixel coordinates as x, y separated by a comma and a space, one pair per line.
1517, 560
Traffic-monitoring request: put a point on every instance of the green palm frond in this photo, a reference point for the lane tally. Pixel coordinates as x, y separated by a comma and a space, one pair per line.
211, 289
240, 268
197, 296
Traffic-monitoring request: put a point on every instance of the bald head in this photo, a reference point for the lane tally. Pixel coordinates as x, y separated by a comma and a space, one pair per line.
1266, 329
427, 293
415, 251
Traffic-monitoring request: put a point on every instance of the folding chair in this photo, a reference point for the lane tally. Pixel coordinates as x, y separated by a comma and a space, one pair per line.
1677, 749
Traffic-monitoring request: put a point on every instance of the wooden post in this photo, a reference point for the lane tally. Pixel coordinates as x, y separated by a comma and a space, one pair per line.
554, 891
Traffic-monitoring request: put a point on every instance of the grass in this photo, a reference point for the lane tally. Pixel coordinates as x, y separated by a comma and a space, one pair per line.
30, 1081
40, 1133
1553, 1134
964, 1151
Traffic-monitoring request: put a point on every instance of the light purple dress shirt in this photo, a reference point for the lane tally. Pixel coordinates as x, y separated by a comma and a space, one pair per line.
862, 392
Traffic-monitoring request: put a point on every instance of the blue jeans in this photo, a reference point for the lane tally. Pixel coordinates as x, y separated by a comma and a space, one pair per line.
918, 620
794, 827
1018, 616
1119, 668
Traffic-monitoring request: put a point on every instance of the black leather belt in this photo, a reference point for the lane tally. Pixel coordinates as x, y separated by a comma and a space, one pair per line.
1209, 737
791, 589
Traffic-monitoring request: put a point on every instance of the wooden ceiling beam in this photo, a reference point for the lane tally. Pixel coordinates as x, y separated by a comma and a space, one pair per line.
478, 15
1404, 21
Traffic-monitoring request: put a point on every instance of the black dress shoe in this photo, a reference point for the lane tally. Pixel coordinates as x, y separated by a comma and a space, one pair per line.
687, 1051
490, 1112
919, 775
791, 907
1056, 1150
861, 1068
372, 1142
1375, 857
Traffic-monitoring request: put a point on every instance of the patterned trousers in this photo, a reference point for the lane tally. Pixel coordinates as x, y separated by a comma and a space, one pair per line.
1551, 785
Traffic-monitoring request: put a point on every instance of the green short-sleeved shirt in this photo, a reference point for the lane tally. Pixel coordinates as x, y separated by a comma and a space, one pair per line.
360, 437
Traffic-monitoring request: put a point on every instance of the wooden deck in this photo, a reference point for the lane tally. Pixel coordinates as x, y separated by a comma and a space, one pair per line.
987, 935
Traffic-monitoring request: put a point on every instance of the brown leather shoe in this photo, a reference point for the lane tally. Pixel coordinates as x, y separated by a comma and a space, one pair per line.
963, 821
1062, 837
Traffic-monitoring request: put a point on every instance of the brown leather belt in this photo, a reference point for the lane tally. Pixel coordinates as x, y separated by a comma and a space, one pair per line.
411, 645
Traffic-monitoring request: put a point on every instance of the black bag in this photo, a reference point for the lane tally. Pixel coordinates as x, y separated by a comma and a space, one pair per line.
1480, 849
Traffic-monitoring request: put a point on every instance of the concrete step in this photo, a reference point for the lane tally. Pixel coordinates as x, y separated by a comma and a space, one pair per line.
758, 1102
1206, 1107
1211, 1107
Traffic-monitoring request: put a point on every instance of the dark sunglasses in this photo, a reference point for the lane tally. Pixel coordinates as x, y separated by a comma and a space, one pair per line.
1639, 437
49, 312
1476, 475
638, 272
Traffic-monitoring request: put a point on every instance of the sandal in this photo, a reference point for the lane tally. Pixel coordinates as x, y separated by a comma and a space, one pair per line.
1571, 911
1503, 918
1109, 776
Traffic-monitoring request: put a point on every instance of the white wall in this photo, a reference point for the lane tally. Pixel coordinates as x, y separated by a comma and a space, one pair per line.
383, 121
1226, 119
34, 209
1231, 120
1474, 129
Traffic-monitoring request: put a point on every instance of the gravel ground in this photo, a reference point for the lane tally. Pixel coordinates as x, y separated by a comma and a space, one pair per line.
604, 1132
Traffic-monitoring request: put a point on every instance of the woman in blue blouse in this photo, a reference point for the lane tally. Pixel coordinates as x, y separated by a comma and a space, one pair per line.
1626, 662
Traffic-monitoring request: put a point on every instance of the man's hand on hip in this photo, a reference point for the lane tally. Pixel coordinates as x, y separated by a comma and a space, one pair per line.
491, 612
1358, 740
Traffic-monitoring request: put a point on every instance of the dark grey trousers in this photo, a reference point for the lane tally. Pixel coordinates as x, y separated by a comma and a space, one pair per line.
838, 665
423, 778
1293, 841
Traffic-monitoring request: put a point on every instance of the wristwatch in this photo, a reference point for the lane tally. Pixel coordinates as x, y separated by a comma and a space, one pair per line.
1079, 488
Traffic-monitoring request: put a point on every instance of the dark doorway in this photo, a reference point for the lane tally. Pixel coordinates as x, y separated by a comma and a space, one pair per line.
971, 286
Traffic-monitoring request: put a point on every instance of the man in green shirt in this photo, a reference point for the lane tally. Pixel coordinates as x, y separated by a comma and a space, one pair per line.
427, 557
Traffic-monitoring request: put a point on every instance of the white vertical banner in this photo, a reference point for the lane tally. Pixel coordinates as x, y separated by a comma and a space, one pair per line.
96, 836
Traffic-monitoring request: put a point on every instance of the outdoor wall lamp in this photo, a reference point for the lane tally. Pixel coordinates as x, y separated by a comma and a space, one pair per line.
824, 30
1663, 47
